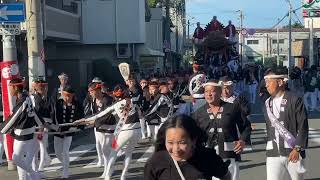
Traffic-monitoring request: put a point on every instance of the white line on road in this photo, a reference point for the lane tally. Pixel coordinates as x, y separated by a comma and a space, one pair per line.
93, 164
146, 155
74, 154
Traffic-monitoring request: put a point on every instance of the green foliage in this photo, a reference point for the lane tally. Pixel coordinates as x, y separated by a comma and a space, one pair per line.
152, 3
295, 25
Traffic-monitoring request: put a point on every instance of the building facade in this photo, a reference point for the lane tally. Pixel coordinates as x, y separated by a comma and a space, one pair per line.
263, 46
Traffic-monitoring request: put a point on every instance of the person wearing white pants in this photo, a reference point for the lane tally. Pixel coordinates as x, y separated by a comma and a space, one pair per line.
104, 126
127, 132
61, 149
128, 138
23, 154
65, 110
144, 106
45, 159
161, 108
278, 168
253, 84
105, 117
21, 125
221, 121
287, 129
152, 130
42, 104
99, 136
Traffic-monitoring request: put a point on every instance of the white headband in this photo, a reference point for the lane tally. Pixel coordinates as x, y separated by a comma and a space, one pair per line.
227, 83
274, 76
219, 84
63, 76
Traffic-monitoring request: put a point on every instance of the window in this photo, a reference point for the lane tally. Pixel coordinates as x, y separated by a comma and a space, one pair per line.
252, 41
281, 41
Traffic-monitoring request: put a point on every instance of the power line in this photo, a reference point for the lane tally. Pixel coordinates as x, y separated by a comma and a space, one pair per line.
287, 14
297, 17
280, 21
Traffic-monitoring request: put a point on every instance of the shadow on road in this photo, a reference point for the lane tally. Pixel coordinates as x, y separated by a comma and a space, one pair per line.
80, 176
252, 165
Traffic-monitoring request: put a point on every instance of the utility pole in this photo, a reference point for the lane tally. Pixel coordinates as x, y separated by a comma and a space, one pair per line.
177, 32
290, 60
167, 33
36, 65
188, 29
241, 37
278, 47
311, 57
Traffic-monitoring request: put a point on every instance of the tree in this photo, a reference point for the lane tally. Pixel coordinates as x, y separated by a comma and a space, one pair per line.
152, 3
295, 25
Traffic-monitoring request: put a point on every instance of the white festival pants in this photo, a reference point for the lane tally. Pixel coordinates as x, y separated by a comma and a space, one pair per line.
61, 148
99, 141
23, 153
44, 156
106, 149
233, 169
128, 139
152, 130
143, 125
279, 168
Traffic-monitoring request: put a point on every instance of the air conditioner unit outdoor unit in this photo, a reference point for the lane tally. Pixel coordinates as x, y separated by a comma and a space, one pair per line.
123, 51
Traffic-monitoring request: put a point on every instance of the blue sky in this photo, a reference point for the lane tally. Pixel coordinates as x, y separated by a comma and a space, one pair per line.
257, 13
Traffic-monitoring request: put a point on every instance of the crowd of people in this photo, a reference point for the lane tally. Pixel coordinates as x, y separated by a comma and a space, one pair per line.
214, 25
199, 124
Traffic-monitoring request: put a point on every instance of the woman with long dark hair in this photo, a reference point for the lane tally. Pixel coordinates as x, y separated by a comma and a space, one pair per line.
180, 154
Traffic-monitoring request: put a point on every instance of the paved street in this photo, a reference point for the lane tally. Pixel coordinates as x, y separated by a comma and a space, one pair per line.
83, 157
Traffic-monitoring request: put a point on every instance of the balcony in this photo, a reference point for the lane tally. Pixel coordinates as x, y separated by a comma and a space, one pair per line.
62, 19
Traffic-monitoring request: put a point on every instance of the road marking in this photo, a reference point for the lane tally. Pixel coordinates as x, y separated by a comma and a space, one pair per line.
314, 136
146, 155
74, 154
93, 164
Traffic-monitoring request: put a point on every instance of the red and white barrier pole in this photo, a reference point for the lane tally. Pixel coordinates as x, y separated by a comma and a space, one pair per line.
9, 71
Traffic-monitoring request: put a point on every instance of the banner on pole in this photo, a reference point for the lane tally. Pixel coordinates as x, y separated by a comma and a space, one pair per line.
9, 71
